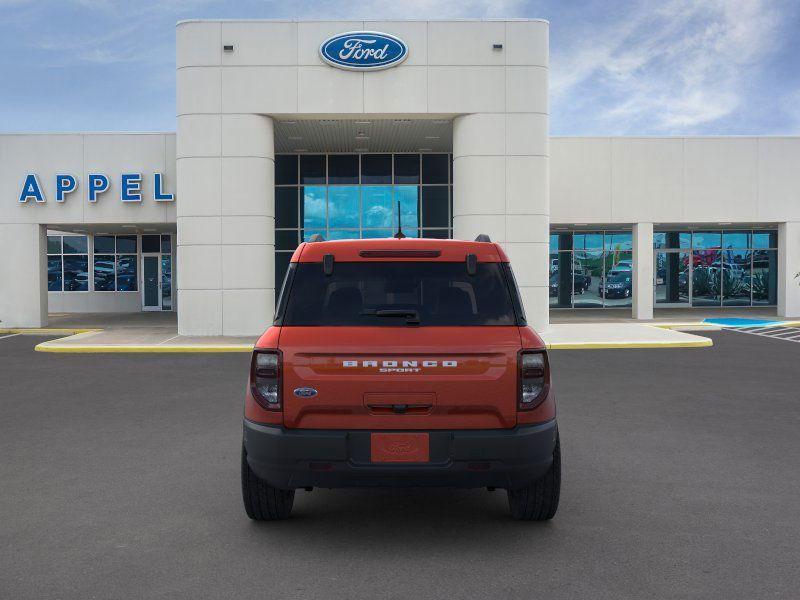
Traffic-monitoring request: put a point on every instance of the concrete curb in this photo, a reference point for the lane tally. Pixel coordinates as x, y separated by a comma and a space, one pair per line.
99, 349
704, 343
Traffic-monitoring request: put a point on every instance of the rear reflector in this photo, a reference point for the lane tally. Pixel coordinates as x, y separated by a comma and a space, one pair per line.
399, 253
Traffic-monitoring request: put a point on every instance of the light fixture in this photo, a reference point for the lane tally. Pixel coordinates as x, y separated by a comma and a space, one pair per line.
728, 223
301, 150
128, 226
426, 149
288, 122
363, 122
432, 137
361, 150
402, 121
228, 47
497, 46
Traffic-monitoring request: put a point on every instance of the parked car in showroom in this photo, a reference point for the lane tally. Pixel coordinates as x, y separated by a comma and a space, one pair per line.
400, 362
617, 286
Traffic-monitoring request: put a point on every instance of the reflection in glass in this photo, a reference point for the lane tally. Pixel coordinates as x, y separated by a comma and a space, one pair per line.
765, 239
376, 206
309, 233
343, 206
314, 207
617, 285
126, 273
54, 244
672, 239
618, 241
166, 282
377, 233
587, 277
672, 278
408, 196
706, 278
104, 272
706, 239
104, 244
342, 234
54, 280
736, 239
75, 244
76, 273
588, 241
735, 277
126, 244
166, 244
765, 277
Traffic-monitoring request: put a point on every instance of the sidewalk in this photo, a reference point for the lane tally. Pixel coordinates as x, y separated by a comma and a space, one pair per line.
93, 333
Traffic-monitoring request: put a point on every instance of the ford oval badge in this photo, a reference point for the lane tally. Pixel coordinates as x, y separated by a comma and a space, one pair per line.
305, 392
363, 50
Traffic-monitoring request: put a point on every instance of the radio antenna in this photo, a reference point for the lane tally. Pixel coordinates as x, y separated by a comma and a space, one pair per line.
399, 235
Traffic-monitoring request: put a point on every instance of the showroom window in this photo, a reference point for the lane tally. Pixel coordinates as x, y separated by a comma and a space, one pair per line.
716, 267
591, 269
115, 263
350, 196
67, 263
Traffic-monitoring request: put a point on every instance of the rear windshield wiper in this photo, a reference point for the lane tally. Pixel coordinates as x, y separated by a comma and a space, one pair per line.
412, 316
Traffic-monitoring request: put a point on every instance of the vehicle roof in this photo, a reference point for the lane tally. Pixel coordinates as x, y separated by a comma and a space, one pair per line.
449, 250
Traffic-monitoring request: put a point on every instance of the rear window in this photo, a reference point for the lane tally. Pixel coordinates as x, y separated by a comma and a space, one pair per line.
397, 294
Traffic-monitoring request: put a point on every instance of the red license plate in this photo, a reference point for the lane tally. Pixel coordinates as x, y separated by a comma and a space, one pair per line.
399, 447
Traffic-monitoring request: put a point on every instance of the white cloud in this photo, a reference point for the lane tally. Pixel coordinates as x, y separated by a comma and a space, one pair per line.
670, 68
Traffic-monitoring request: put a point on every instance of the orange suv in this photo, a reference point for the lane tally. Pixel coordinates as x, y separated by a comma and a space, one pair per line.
400, 362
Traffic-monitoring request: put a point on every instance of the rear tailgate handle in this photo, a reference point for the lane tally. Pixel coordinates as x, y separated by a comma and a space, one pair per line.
400, 409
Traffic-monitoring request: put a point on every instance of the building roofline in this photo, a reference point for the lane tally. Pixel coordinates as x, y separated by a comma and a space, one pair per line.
11, 133
463, 20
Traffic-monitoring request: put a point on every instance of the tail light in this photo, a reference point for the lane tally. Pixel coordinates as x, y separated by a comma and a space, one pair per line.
265, 378
534, 378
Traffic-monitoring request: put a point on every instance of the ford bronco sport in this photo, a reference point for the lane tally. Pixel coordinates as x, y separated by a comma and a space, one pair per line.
400, 362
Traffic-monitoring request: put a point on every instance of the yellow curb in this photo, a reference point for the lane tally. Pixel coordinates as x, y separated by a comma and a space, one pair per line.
704, 343
98, 349
46, 331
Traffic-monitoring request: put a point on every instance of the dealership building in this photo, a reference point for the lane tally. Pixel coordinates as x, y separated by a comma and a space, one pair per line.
288, 129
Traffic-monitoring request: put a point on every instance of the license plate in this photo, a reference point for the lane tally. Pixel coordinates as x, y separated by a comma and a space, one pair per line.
399, 447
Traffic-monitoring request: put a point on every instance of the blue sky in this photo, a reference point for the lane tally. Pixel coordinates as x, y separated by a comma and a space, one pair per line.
617, 68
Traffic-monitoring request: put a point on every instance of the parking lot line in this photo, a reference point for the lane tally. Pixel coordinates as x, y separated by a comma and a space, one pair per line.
2, 337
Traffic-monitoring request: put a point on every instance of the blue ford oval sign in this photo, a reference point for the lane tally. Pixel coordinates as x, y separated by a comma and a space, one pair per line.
363, 50
305, 392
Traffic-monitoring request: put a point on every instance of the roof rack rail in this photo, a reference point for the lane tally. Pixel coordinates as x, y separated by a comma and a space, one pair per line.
317, 237
482, 237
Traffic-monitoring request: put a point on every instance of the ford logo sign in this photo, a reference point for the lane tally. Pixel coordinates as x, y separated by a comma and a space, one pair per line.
305, 392
363, 50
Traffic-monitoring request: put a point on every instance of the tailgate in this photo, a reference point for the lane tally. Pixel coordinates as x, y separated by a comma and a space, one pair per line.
399, 377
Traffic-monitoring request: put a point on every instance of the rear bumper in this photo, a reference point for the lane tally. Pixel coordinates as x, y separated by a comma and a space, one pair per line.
296, 458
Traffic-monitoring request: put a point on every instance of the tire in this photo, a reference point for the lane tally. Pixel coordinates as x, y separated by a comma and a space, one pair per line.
538, 501
262, 502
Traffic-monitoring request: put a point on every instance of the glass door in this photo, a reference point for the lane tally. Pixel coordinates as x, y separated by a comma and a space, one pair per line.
151, 280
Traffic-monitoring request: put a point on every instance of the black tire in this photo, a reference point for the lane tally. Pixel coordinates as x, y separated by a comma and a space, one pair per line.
262, 502
539, 501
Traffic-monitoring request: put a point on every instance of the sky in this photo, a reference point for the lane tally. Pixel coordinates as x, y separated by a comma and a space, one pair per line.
638, 67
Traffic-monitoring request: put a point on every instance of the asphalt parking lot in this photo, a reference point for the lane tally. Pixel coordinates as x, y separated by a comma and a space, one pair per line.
119, 478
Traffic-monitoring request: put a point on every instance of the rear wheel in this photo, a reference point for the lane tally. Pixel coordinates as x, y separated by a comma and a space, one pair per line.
262, 502
539, 501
